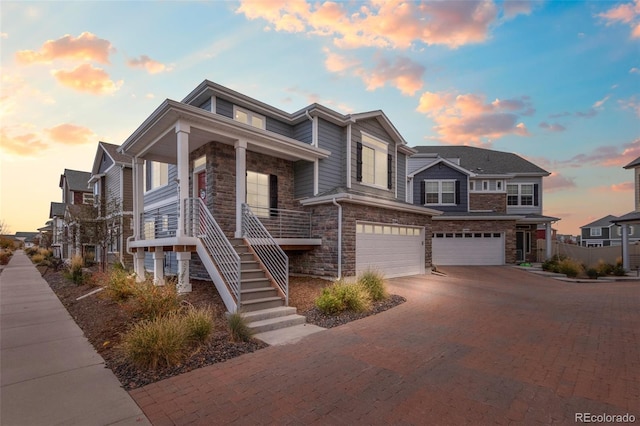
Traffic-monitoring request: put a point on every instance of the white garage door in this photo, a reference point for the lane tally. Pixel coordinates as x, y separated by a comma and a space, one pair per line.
394, 250
478, 248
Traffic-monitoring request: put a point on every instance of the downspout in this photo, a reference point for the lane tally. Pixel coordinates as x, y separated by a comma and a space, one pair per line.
339, 237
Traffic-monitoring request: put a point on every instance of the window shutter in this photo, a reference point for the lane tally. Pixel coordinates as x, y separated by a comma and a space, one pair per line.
535, 194
423, 190
359, 162
389, 171
457, 192
273, 195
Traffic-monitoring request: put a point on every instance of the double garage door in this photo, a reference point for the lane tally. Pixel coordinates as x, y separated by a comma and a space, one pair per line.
394, 250
464, 248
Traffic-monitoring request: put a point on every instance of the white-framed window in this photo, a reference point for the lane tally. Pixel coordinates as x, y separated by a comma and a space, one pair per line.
485, 185
595, 232
440, 192
499, 185
472, 185
258, 197
374, 161
87, 198
520, 194
629, 232
156, 175
249, 117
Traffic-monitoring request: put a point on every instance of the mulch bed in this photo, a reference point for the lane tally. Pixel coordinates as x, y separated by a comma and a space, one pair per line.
103, 322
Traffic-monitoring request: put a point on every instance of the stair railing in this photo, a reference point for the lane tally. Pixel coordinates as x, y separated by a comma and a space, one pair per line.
267, 250
202, 225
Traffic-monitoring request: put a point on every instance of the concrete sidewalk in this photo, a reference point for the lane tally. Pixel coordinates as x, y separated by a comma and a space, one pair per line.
50, 374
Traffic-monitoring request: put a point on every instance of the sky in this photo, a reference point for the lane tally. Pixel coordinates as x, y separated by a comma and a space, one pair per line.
556, 82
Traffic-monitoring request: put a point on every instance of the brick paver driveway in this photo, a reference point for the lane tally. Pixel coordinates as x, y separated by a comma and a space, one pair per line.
483, 345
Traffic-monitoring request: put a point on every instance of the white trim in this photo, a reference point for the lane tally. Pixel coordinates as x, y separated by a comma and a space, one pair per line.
214, 104
440, 192
250, 114
375, 149
314, 131
316, 177
395, 184
161, 203
448, 163
370, 201
349, 143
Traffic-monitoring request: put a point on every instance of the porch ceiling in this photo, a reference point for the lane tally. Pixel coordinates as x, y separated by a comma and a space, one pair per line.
156, 138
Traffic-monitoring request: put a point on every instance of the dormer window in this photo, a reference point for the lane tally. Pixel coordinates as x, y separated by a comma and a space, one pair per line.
248, 117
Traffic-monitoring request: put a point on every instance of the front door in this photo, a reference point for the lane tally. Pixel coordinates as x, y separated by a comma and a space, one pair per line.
202, 185
521, 246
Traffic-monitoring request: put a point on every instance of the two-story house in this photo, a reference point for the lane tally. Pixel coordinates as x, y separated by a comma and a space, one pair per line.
631, 220
492, 204
248, 193
604, 232
112, 183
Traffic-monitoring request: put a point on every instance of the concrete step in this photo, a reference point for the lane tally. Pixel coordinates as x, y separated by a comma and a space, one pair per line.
276, 323
258, 304
281, 311
257, 293
287, 335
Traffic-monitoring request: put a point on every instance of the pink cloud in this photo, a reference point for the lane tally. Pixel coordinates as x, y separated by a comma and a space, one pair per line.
623, 187
24, 145
626, 13
393, 24
557, 182
469, 119
403, 74
150, 65
85, 47
70, 134
337, 63
86, 78
604, 156
552, 127
512, 8
630, 104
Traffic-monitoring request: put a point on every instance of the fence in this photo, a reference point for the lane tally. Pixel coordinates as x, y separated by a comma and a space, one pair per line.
592, 255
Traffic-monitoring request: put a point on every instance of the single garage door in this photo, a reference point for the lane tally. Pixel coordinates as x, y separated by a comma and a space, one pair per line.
394, 250
464, 248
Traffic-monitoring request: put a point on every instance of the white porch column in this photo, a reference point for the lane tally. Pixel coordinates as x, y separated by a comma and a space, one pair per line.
138, 196
548, 235
241, 182
182, 137
184, 284
626, 264
138, 265
158, 266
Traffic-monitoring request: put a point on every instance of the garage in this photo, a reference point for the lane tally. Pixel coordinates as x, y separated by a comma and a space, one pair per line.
468, 248
393, 249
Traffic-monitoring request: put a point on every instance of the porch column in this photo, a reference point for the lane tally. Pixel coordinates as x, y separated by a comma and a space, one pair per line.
241, 182
182, 138
548, 235
626, 264
138, 196
138, 265
158, 266
184, 284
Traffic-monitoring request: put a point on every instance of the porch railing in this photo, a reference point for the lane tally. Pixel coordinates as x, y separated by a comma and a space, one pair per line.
199, 223
161, 222
283, 223
269, 252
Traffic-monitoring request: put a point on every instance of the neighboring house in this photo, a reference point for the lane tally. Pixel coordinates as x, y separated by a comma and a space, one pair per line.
112, 183
28, 239
604, 232
492, 204
67, 221
326, 188
631, 219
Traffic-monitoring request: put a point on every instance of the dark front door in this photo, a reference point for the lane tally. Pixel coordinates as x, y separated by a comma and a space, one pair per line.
520, 246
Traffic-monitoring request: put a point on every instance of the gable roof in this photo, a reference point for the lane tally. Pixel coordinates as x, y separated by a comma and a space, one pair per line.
483, 161
634, 163
76, 180
602, 222
57, 209
112, 152
444, 161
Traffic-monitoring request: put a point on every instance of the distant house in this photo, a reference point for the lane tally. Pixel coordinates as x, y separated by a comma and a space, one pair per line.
28, 239
492, 204
604, 232
631, 219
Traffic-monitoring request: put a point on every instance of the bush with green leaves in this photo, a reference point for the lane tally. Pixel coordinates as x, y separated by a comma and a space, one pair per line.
373, 282
592, 273
619, 270
118, 285
342, 296
239, 329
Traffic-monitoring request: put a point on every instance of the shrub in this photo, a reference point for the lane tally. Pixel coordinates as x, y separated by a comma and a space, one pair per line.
341, 296
30, 251
198, 323
373, 282
238, 328
592, 273
152, 301
619, 271
37, 259
5, 256
604, 268
157, 342
119, 286
569, 267
74, 271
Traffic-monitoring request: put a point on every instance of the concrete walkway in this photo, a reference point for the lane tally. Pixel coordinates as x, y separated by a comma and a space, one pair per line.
50, 374
480, 346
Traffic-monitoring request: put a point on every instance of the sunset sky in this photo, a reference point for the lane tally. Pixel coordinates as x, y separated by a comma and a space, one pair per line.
556, 82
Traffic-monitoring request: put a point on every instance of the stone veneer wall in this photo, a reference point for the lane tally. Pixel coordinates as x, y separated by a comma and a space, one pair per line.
323, 260
508, 227
490, 201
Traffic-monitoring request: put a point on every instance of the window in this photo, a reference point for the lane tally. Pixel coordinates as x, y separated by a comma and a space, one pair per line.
87, 198
485, 185
248, 117
439, 192
262, 193
498, 185
472, 185
522, 194
595, 232
629, 232
156, 175
373, 162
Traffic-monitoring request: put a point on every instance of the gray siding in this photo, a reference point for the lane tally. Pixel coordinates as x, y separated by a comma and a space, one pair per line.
401, 180
167, 191
303, 132
442, 173
279, 127
105, 163
206, 105
303, 179
224, 107
170, 263
331, 169
113, 196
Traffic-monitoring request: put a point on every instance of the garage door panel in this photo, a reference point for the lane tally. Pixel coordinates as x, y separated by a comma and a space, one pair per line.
484, 250
390, 252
